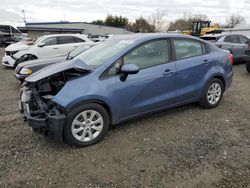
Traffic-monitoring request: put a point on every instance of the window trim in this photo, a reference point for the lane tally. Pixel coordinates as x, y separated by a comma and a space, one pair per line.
170, 50
205, 47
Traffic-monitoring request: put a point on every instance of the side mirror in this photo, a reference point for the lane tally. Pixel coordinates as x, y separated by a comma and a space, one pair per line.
128, 69
41, 44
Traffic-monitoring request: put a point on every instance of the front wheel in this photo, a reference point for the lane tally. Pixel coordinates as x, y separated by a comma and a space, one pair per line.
248, 67
212, 93
86, 125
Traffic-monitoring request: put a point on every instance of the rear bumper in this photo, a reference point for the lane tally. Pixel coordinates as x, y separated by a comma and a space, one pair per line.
244, 58
51, 126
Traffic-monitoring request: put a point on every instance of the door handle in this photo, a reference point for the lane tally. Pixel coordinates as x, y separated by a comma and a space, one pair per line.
55, 48
167, 72
75, 46
206, 62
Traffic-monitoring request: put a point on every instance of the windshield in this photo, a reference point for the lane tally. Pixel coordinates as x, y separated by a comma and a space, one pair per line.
77, 51
39, 39
100, 53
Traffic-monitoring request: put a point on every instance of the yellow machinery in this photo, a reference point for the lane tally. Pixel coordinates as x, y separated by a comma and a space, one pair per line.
200, 28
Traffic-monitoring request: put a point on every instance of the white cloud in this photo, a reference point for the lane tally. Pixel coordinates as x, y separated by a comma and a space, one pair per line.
88, 10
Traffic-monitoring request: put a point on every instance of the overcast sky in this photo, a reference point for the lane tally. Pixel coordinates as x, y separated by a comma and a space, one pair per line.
88, 10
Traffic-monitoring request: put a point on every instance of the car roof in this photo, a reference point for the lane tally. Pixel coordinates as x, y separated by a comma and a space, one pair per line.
150, 36
58, 35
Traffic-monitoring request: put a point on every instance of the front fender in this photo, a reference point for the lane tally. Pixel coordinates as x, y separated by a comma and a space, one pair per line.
21, 53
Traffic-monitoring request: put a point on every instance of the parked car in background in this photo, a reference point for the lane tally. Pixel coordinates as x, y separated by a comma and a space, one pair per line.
1, 39
27, 68
120, 79
248, 66
44, 47
238, 45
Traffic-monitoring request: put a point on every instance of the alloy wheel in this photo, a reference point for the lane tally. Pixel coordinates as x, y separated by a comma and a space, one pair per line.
87, 125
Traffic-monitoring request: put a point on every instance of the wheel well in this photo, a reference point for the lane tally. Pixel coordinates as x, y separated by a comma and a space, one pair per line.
30, 54
103, 104
221, 79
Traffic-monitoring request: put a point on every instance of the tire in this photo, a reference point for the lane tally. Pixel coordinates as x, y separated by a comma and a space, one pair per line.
79, 125
248, 67
212, 94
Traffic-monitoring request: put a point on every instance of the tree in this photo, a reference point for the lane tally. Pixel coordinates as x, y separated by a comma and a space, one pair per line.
185, 23
157, 19
117, 21
141, 25
98, 22
234, 20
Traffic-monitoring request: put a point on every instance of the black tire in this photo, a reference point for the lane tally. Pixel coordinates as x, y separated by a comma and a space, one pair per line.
204, 102
248, 67
67, 133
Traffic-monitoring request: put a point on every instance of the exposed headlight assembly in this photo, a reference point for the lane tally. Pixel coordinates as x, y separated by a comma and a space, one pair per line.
25, 71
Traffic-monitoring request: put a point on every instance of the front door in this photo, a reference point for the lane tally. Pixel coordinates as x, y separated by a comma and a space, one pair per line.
153, 87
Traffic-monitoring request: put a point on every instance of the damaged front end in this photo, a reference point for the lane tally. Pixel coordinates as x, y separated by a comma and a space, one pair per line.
36, 100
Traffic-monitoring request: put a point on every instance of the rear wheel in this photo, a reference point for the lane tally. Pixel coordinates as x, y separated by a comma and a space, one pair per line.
248, 67
86, 125
212, 93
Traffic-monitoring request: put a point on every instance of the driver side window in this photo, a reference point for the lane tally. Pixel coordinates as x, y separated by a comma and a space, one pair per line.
50, 41
149, 55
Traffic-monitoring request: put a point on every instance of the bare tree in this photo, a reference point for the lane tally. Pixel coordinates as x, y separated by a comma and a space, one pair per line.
234, 20
185, 23
157, 19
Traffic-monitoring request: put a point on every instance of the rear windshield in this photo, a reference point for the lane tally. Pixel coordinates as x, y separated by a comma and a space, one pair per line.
211, 39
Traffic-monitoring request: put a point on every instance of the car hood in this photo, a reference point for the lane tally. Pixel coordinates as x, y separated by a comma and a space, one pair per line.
42, 61
57, 68
17, 46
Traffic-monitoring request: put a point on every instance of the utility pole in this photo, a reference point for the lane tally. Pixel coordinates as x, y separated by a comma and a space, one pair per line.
24, 18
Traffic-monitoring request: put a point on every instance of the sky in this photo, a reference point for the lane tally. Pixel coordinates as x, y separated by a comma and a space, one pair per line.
89, 10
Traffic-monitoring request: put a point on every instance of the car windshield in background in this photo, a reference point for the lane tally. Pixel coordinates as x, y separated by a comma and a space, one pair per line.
77, 51
100, 53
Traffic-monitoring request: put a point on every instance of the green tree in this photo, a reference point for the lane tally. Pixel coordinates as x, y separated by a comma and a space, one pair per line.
141, 25
118, 21
98, 22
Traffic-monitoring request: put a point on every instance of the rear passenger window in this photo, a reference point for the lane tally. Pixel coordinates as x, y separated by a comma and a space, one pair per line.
244, 40
65, 40
187, 48
78, 40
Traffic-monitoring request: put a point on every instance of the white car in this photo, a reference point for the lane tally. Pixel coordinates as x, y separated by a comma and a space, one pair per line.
44, 47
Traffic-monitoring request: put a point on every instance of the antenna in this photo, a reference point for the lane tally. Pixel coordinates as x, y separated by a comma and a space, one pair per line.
24, 18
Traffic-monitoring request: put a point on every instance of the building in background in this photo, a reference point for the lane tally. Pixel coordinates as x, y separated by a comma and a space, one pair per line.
35, 30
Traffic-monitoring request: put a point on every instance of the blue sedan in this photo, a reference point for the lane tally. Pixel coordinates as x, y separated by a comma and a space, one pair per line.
120, 79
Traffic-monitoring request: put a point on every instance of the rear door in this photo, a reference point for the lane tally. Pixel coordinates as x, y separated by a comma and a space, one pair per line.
69, 43
192, 64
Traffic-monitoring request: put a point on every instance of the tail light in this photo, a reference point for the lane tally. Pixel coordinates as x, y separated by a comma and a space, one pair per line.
231, 59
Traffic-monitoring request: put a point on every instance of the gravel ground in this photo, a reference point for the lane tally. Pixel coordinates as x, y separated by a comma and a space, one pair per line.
184, 147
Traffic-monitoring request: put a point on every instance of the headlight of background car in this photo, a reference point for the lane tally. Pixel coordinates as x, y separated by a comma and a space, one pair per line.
25, 71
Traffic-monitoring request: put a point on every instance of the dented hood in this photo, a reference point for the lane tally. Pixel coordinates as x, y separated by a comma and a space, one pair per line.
57, 68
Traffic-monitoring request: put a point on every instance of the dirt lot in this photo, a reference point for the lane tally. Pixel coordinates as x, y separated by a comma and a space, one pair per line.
184, 147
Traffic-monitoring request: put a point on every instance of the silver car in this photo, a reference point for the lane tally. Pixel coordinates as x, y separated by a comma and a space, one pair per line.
238, 45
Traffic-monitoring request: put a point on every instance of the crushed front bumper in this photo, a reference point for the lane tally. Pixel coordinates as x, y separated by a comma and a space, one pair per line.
8, 61
51, 125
